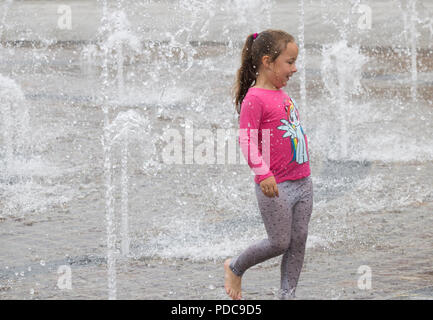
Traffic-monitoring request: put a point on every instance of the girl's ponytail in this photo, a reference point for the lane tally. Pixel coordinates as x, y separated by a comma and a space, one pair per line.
246, 74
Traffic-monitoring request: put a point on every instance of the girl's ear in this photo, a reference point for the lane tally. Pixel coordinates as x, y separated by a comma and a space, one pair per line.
266, 61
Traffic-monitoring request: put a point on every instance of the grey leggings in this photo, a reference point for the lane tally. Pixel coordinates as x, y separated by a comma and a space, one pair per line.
286, 221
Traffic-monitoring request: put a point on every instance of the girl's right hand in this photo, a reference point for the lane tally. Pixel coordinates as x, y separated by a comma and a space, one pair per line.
269, 187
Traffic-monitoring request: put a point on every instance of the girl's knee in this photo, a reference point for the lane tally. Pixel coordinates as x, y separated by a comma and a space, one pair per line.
281, 246
299, 241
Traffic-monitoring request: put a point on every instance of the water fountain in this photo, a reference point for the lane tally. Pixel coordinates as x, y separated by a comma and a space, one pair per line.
120, 39
117, 43
413, 60
109, 212
410, 20
341, 72
302, 56
3, 16
126, 127
15, 122
414, 19
13, 107
89, 57
341, 69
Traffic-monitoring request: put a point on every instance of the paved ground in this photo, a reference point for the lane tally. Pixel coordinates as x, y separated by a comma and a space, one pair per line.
32, 262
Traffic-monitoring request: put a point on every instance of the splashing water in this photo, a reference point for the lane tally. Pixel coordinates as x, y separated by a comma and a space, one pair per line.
341, 72
126, 127
118, 40
15, 121
5, 9
410, 20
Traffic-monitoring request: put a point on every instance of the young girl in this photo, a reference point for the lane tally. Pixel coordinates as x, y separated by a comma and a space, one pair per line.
275, 146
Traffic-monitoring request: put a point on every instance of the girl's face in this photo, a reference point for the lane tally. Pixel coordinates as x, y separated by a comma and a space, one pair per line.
284, 66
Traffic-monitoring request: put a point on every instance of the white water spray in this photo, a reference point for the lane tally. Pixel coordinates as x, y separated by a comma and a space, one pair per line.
410, 32
302, 54
5, 10
127, 126
413, 56
109, 212
15, 120
109, 200
119, 40
341, 73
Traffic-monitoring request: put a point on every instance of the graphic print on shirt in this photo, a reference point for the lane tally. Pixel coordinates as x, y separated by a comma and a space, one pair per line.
293, 129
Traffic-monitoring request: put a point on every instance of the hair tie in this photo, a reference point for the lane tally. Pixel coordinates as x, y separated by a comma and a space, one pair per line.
255, 35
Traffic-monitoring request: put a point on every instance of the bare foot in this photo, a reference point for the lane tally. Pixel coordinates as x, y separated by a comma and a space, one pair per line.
232, 282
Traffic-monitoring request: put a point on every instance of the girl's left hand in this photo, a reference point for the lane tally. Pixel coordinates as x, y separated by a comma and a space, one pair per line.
269, 187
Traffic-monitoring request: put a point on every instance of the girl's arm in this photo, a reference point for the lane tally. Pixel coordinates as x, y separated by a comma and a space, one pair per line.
249, 126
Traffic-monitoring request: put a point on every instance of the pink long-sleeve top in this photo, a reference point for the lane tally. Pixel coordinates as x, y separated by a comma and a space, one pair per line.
271, 136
